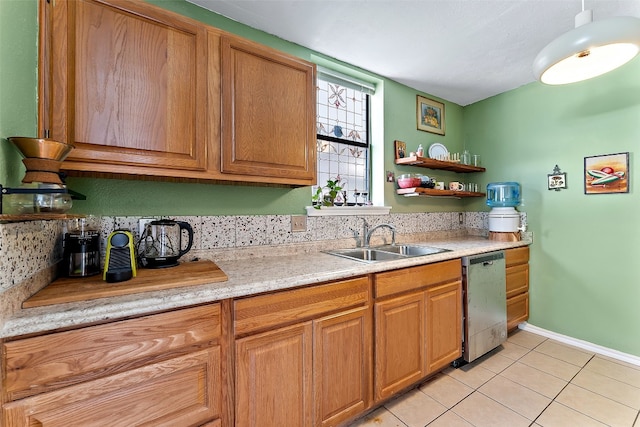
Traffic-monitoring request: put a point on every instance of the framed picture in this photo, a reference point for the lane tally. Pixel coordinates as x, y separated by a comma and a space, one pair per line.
401, 149
607, 173
430, 115
557, 181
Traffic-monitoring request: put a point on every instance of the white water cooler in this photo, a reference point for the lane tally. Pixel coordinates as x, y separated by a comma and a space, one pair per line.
504, 219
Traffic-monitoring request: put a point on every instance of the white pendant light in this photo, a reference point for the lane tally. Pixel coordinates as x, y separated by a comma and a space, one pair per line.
589, 50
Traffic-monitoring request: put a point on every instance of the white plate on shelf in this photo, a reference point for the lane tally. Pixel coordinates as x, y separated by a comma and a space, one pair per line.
438, 151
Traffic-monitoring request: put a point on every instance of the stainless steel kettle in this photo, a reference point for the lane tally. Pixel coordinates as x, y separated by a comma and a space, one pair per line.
162, 243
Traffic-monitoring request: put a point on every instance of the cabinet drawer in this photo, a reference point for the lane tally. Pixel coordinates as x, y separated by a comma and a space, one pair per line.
181, 391
517, 279
38, 364
267, 311
517, 310
407, 279
516, 256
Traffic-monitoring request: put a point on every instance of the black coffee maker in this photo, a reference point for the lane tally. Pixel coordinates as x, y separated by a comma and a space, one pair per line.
82, 247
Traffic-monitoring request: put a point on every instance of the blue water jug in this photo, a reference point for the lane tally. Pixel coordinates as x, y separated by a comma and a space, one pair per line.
503, 194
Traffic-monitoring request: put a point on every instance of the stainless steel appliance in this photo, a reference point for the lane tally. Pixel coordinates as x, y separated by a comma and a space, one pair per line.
162, 240
485, 304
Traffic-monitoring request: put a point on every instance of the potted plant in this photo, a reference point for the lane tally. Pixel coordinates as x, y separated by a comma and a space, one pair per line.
327, 198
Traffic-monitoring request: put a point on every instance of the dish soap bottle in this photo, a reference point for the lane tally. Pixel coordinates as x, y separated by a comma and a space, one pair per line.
420, 151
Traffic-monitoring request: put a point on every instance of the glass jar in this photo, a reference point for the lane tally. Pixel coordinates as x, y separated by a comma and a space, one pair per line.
466, 158
36, 202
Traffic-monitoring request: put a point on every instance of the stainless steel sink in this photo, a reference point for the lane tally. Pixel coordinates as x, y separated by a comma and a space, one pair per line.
366, 254
386, 252
411, 250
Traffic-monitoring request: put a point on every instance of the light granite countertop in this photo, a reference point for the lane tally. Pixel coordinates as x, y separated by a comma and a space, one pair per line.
247, 276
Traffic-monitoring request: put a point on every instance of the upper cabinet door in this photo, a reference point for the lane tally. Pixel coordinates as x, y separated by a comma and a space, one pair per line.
268, 113
128, 86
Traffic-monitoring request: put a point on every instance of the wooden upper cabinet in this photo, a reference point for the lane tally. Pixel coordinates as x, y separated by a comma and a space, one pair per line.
268, 113
128, 86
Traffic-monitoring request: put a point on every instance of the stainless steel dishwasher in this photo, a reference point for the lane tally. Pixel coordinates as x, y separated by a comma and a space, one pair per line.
485, 304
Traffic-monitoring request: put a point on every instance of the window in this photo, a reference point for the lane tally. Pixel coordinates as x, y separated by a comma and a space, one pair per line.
343, 133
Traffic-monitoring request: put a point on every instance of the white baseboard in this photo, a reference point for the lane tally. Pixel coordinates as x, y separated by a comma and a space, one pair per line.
585, 345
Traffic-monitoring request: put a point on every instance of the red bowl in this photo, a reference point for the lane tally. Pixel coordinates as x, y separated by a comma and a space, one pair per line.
409, 182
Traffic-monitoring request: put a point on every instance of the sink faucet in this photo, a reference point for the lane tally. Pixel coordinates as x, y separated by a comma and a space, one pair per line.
361, 236
368, 233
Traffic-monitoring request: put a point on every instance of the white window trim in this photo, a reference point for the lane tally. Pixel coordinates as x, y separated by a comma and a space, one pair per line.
348, 210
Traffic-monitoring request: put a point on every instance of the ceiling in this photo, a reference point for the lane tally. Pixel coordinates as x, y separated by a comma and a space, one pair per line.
460, 50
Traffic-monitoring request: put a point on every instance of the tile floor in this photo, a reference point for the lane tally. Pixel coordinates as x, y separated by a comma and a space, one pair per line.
528, 381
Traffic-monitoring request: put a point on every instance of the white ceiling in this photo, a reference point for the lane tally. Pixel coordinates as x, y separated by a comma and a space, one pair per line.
459, 50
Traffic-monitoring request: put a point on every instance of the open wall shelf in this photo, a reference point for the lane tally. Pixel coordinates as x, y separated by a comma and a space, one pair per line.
426, 162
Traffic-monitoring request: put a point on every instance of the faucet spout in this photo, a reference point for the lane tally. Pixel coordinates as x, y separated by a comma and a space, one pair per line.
367, 238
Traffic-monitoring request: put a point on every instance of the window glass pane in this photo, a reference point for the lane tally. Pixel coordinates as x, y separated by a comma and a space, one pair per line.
343, 140
342, 113
349, 162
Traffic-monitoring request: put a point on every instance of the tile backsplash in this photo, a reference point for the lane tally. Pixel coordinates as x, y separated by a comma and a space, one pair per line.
28, 247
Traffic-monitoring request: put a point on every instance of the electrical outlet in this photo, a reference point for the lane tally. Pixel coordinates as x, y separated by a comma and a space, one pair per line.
298, 223
460, 218
142, 223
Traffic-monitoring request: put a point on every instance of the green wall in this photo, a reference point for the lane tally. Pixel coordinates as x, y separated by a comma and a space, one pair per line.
18, 82
584, 277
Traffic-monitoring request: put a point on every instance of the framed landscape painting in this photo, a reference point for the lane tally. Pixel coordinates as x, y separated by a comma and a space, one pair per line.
430, 115
607, 173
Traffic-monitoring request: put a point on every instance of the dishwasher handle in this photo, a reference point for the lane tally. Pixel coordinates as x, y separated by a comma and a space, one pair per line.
483, 259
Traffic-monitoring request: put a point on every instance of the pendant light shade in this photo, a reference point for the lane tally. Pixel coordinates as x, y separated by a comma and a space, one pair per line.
589, 50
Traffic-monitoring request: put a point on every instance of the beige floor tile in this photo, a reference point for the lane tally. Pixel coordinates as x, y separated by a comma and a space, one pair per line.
619, 362
512, 350
557, 415
618, 371
472, 375
415, 409
597, 407
637, 424
378, 418
538, 381
482, 411
449, 419
519, 398
564, 352
494, 362
525, 339
608, 387
550, 365
446, 390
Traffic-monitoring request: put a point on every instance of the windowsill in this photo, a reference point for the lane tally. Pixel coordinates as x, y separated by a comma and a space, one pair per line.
348, 210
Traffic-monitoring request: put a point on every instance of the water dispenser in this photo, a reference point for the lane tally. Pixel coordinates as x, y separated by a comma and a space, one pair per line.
503, 197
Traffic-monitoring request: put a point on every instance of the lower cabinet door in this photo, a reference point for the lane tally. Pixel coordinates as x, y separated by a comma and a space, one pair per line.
274, 378
399, 343
517, 310
444, 325
342, 366
183, 391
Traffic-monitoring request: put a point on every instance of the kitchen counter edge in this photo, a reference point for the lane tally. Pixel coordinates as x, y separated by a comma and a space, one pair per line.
246, 277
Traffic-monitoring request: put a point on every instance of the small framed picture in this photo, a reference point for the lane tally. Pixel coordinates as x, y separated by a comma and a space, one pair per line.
430, 115
556, 181
401, 149
607, 173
